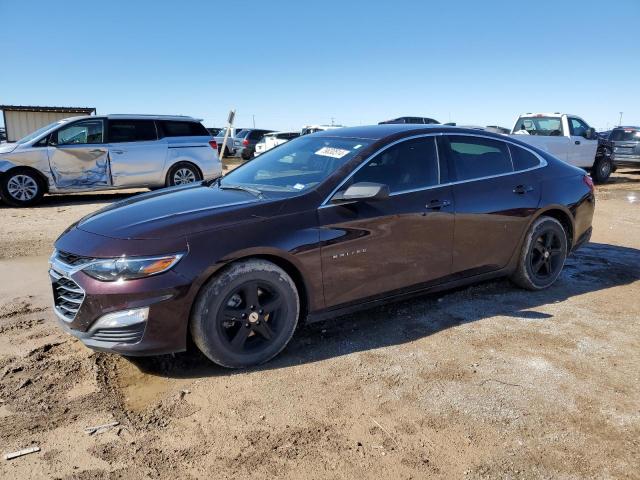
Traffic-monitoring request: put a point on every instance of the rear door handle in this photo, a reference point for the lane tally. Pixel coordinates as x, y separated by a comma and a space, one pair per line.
437, 204
119, 152
97, 150
577, 142
522, 189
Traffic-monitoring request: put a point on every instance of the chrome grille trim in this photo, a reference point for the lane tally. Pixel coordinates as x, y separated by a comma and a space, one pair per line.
68, 296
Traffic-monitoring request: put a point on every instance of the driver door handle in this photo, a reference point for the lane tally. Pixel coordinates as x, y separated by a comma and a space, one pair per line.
119, 152
97, 150
437, 204
577, 142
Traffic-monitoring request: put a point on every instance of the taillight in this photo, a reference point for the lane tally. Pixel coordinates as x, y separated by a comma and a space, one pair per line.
588, 182
213, 144
245, 142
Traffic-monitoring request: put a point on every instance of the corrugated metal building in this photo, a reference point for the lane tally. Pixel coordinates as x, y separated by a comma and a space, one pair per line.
20, 121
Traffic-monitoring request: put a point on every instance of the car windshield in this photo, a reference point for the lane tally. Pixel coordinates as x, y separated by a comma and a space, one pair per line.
296, 166
38, 132
625, 135
540, 125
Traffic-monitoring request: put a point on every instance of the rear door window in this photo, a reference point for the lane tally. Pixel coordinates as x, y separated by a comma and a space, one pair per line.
545, 126
131, 131
477, 157
523, 159
171, 128
408, 165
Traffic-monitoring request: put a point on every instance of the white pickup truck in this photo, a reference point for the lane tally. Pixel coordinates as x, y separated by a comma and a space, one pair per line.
569, 138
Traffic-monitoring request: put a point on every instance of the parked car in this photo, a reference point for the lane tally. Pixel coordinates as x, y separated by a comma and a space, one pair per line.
213, 131
229, 149
319, 226
92, 153
3, 135
569, 138
626, 145
245, 142
273, 139
413, 120
309, 129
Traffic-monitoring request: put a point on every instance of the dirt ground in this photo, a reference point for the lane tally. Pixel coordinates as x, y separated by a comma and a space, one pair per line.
483, 382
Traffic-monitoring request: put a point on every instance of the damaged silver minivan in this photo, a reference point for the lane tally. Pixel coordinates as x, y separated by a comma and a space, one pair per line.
92, 153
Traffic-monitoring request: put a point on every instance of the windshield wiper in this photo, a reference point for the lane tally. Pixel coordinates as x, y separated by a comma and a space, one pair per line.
252, 191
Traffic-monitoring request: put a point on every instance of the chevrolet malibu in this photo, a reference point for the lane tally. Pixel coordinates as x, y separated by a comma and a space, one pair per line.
317, 227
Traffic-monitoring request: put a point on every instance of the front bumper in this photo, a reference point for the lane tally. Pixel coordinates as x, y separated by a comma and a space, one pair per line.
80, 301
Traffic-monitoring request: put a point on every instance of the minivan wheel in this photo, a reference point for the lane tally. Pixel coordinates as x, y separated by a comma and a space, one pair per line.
245, 315
543, 255
183, 174
21, 188
601, 170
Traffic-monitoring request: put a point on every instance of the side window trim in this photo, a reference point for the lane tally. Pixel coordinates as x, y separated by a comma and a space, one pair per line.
543, 163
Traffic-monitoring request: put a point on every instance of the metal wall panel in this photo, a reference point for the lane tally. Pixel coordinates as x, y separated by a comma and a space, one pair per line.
20, 124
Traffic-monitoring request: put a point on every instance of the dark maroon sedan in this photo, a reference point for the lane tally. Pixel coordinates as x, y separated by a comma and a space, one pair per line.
316, 227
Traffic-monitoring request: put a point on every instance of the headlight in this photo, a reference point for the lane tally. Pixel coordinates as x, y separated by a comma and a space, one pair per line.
124, 268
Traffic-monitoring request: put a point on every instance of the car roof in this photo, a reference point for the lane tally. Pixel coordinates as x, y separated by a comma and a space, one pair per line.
626, 128
379, 132
122, 116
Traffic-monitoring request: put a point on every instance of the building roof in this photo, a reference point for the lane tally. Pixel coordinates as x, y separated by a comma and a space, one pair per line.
25, 108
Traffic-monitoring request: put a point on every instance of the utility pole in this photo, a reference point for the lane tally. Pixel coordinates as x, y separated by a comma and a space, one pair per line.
332, 121
620, 121
254, 121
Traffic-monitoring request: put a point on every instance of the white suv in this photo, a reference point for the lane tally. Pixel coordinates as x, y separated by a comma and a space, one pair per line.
273, 139
92, 153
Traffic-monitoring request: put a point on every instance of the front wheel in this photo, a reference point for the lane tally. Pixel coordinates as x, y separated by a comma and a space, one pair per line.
21, 188
543, 255
602, 169
245, 315
182, 174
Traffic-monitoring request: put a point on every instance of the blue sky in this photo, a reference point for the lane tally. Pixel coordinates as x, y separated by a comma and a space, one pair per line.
291, 63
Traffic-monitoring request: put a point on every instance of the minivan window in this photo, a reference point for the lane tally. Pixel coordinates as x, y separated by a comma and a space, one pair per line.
408, 165
131, 130
477, 157
546, 126
171, 128
523, 159
38, 132
295, 166
625, 135
79, 133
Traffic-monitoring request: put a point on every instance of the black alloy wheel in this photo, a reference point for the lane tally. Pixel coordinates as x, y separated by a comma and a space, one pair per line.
543, 254
246, 314
251, 317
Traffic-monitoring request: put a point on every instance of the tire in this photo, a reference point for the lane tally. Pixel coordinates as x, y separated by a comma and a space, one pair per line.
232, 334
247, 153
602, 169
21, 187
543, 255
183, 174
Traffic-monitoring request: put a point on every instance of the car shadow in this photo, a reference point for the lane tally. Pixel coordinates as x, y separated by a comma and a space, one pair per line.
592, 268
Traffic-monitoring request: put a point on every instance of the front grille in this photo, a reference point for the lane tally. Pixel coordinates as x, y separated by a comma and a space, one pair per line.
71, 259
67, 296
131, 334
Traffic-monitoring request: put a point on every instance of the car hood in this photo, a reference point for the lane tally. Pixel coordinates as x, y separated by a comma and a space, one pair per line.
169, 213
7, 147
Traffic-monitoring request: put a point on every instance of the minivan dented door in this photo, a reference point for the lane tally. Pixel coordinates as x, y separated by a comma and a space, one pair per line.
78, 155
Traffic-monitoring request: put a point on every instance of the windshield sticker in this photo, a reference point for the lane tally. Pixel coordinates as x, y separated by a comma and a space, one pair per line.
357, 147
332, 152
298, 186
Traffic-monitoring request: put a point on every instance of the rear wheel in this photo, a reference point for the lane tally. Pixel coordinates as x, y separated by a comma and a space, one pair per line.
245, 315
21, 188
602, 169
182, 174
543, 255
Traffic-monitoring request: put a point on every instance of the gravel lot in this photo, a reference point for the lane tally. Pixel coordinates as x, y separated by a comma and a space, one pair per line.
483, 382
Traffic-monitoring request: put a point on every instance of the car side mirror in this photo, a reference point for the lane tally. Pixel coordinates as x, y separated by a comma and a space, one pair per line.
590, 133
362, 191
